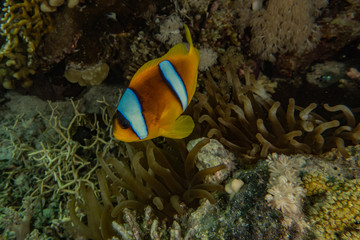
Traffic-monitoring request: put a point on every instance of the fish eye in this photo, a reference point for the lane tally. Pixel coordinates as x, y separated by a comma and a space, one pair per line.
123, 122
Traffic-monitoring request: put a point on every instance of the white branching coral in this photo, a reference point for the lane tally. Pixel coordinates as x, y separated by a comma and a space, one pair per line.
285, 192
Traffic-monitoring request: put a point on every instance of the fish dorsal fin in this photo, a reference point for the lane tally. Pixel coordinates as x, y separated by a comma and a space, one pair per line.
181, 128
178, 50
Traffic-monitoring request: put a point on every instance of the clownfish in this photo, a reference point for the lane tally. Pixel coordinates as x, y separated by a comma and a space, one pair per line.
157, 95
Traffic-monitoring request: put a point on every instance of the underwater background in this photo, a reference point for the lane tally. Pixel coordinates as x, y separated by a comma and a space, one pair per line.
274, 153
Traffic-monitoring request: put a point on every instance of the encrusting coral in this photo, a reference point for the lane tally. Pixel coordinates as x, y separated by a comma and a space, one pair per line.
248, 120
23, 26
337, 206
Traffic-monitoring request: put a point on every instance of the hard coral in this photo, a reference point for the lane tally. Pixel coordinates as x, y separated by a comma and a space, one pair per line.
315, 183
60, 151
337, 213
23, 26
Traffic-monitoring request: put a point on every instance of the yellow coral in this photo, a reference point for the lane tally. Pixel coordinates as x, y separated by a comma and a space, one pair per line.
314, 183
354, 234
339, 213
23, 26
23, 19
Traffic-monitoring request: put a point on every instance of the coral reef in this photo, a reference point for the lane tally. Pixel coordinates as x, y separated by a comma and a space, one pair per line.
40, 155
83, 184
165, 178
315, 195
314, 183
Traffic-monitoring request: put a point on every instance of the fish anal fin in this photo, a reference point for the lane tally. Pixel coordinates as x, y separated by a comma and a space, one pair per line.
181, 128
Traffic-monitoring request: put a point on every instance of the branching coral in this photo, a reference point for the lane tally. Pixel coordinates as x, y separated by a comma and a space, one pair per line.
337, 209
22, 24
248, 120
61, 157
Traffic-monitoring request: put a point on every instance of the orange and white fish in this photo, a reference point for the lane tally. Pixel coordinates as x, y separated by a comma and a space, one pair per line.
157, 95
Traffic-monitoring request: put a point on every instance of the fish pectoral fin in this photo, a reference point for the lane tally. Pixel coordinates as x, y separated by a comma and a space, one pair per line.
183, 127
